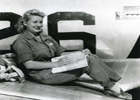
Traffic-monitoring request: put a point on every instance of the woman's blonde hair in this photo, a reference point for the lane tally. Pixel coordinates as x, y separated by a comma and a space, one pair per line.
26, 16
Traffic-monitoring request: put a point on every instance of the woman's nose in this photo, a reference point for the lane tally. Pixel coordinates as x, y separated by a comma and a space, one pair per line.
39, 24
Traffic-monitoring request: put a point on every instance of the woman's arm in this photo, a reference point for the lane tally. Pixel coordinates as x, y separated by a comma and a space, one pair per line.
42, 65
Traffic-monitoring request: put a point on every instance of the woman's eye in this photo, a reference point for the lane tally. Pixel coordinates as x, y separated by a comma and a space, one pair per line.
38, 22
35, 22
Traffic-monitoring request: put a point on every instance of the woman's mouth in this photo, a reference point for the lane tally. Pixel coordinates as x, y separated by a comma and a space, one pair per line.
38, 28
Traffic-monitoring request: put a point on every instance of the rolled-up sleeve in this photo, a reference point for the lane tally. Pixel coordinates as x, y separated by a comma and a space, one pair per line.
22, 51
60, 49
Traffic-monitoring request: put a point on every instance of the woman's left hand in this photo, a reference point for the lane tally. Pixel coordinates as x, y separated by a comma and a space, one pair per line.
86, 52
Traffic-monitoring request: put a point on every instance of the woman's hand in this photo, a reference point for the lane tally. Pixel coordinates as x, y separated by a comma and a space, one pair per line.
60, 62
86, 52
65, 60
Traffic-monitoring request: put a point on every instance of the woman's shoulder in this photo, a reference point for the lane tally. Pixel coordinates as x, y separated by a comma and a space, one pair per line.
20, 39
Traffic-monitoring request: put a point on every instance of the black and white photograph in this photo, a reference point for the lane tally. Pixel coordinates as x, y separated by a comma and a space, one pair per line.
69, 50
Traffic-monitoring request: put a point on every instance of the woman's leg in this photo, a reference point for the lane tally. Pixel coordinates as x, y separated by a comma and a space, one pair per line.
104, 75
100, 72
46, 77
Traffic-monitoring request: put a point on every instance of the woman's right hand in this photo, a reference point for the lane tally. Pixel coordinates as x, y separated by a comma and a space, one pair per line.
65, 60
60, 62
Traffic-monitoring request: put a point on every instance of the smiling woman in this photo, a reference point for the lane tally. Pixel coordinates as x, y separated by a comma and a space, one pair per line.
35, 49
32, 21
34, 25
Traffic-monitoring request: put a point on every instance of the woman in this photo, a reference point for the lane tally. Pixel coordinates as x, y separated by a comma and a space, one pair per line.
34, 49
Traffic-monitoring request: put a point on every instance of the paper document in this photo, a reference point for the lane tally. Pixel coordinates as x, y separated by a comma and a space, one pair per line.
76, 59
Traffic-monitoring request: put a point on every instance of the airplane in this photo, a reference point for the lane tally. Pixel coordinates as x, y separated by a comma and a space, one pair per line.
111, 34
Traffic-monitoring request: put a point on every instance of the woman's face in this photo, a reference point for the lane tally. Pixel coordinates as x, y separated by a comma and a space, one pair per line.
34, 24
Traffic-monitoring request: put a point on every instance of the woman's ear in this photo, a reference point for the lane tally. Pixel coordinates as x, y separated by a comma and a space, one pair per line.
24, 23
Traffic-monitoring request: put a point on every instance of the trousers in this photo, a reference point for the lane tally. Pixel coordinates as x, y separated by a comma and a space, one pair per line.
96, 69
